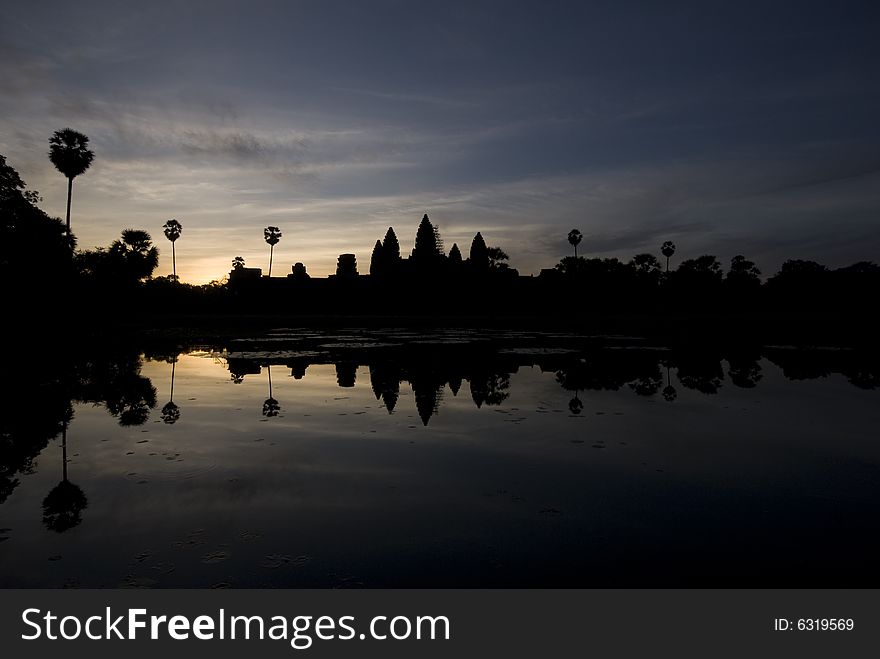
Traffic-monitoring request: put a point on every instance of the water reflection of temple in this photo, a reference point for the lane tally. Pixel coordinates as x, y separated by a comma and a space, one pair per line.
645, 372
114, 380
489, 384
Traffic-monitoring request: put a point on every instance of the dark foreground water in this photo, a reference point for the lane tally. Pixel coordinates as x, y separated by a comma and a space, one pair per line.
453, 459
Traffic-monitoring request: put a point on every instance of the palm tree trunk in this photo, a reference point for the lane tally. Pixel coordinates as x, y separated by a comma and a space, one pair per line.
575, 251
173, 364
69, 193
667, 264
269, 369
173, 261
271, 251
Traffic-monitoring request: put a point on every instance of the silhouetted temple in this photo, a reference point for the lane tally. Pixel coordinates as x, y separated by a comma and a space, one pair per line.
346, 266
426, 281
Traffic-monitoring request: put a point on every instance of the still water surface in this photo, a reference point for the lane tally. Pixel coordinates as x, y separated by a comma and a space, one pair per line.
444, 461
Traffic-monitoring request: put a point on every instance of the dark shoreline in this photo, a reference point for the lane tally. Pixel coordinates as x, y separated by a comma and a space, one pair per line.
678, 329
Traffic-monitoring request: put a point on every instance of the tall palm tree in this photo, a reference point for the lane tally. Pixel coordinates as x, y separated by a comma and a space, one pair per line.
574, 239
173, 229
667, 250
69, 152
272, 235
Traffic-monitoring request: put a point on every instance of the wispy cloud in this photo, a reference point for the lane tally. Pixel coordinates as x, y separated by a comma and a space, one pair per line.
408, 97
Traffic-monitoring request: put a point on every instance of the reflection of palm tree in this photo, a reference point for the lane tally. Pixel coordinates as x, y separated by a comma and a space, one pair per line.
171, 412
574, 239
63, 506
173, 229
69, 152
272, 235
669, 392
575, 405
271, 407
667, 250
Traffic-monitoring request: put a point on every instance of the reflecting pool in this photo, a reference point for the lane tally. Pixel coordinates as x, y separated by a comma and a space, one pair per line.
396, 458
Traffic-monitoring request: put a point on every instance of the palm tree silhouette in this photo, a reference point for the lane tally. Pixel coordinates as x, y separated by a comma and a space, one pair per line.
173, 229
271, 407
574, 239
63, 506
667, 250
136, 250
272, 235
171, 412
69, 152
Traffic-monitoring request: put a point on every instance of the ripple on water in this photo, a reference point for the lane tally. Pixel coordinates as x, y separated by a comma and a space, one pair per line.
217, 556
132, 581
172, 468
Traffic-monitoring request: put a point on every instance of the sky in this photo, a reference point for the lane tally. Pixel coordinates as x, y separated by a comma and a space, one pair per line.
747, 127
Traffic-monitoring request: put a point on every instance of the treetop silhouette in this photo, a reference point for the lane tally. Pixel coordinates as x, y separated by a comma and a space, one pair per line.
497, 259
272, 235
129, 260
645, 264
706, 264
667, 250
69, 152
11, 185
743, 272
574, 239
173, 229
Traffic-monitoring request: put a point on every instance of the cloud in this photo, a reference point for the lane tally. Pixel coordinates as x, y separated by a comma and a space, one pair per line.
409, 97
238, 146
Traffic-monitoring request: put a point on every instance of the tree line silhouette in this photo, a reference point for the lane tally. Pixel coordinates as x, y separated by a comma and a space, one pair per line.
428, 281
